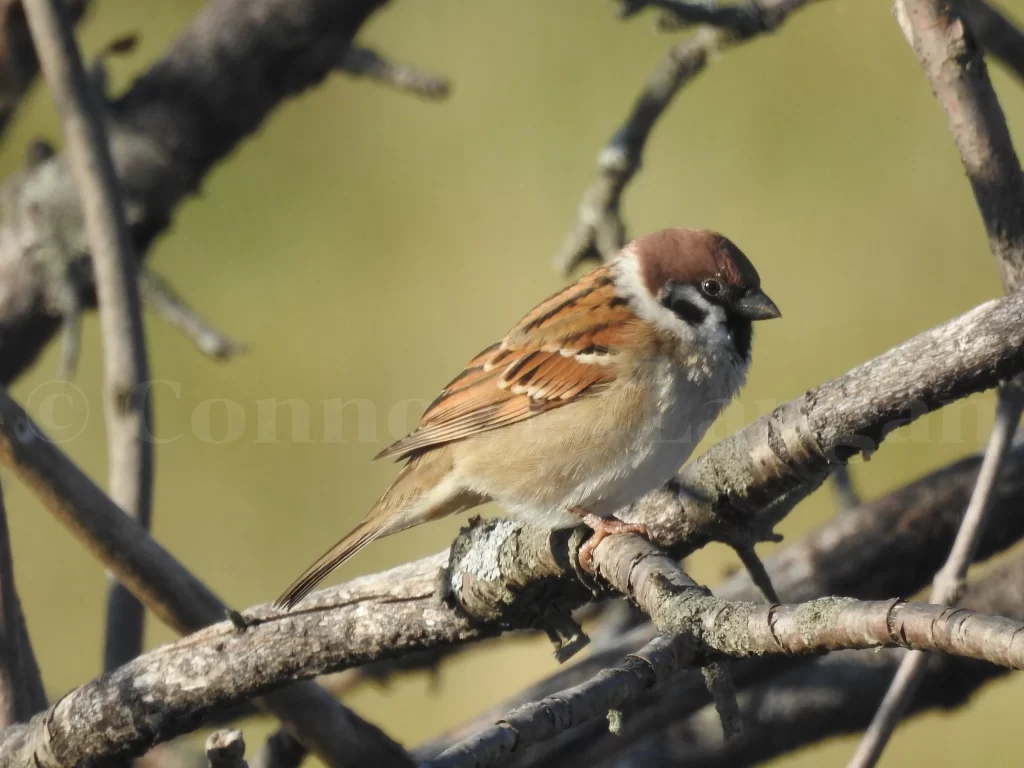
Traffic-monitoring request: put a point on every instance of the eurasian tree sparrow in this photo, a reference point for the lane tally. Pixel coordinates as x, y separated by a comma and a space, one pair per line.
595, 398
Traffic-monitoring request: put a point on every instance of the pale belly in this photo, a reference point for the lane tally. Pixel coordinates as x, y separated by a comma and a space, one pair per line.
599, 459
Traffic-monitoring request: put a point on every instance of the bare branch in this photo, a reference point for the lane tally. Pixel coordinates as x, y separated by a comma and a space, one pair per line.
811, 702
174, 123
401, 610
126, 369
366, 62
889, 546
959, 78
161, 297
177, 597
949, 582
21, 685
568, 708
598, 231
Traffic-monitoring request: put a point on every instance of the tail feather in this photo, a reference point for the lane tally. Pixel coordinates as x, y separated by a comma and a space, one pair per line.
358, 538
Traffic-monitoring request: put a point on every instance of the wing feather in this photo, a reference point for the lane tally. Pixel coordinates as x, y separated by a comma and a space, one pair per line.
563, 349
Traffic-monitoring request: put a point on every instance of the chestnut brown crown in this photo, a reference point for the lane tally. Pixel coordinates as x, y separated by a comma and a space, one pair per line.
707, 261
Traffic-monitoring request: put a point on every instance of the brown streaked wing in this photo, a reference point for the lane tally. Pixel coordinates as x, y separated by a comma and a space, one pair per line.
563, 349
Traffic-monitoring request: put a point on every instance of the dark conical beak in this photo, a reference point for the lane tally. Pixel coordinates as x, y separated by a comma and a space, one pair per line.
756, 305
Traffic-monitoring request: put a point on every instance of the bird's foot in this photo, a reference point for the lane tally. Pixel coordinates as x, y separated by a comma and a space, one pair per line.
603, 527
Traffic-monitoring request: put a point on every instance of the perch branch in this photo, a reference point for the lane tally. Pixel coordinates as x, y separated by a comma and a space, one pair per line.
166, 588
889, 546
496, 574
126, 369
21, 685
598, 231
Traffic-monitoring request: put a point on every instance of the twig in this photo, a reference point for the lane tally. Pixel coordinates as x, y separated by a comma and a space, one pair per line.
177, 597
126, 370
843, 490
956, 70
599, 231
161, 297
226, 749
756, 569
949, 582
21, 685
366, 62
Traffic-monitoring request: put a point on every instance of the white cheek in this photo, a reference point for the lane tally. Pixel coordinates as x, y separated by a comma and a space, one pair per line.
626, 273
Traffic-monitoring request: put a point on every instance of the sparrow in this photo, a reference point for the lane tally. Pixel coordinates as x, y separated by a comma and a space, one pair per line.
595, 398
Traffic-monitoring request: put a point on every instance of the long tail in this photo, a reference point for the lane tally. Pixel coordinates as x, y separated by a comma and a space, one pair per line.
358, 538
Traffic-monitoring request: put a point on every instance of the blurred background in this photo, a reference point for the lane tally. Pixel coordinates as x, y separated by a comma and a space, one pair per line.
365, 244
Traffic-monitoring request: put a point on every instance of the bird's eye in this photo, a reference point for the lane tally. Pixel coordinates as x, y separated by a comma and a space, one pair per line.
711, 288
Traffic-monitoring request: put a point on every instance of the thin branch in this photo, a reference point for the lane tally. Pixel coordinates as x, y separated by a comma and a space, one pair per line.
755, 568
366, 62
166, 588
949, 582
598, 231
21, 686
161, 297
126, 369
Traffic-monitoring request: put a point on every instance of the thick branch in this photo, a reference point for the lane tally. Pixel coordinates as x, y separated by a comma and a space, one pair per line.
811, 702
498, 573
891, 546
213, 88
165, 587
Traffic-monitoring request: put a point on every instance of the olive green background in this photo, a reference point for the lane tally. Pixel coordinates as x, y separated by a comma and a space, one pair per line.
365, 244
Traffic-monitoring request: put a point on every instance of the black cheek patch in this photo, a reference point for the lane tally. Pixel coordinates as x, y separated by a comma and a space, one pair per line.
678, 303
